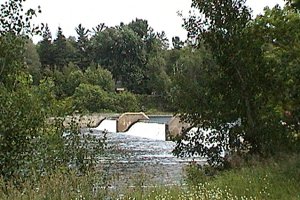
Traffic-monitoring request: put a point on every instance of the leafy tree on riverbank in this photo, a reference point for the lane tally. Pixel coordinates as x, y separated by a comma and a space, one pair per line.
279, 29
238, 96
32, 144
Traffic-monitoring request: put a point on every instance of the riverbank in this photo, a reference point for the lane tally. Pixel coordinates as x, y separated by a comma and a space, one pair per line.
269, 179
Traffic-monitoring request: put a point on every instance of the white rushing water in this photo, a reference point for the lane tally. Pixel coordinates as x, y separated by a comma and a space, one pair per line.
141, 151
152, 131
155, 131
130, 158
108, 125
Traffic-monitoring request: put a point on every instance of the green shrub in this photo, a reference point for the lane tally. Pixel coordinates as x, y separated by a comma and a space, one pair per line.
100, 77
58, 186
124, 102
22, 118
91, 98
31, 145
196, 174
66, 81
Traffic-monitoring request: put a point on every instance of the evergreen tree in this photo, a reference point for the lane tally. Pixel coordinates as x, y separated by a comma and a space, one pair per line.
60, 52
45, 50
82, 46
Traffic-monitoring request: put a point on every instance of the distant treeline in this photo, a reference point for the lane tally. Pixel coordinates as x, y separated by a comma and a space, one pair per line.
128, 56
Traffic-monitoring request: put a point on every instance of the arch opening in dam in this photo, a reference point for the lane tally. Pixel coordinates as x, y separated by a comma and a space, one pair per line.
138, 125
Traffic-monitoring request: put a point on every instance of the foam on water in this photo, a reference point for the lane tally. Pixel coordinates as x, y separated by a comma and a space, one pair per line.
155, 131
128, 157
107, 125
140, 151
152, 131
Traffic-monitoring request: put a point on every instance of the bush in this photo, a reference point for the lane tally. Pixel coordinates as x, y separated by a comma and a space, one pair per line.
100, 77
67, 80
30, 146
91, 98
124, 102
23, 126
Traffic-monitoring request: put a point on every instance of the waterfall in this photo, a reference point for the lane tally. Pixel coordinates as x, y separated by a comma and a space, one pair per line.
155, 131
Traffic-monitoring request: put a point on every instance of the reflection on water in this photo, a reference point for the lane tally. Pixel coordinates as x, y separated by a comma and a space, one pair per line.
129, 159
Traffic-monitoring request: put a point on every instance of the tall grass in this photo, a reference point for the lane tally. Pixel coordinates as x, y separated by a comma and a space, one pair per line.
58, 186
272, 179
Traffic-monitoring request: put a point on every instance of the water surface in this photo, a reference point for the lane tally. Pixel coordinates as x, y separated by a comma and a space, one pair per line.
133, 160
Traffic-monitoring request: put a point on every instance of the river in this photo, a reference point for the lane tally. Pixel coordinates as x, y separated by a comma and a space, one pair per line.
135, 160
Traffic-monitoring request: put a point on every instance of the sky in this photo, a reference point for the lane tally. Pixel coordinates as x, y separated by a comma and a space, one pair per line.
161, 14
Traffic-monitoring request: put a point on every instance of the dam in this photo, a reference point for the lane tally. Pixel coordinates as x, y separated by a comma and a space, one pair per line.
138, 125
141, 151
140, 145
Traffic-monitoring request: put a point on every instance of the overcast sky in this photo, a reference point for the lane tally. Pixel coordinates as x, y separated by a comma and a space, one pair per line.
161, 14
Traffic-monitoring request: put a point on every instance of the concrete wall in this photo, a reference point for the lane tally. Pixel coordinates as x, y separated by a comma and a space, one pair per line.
175, 127
128, 119
85, 121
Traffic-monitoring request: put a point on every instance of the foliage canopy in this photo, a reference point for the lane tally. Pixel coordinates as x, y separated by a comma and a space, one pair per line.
234, 93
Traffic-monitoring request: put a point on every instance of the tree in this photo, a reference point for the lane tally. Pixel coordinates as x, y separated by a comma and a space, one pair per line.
121, 51
171, 57
277, 28
157, 81
140, 27
124, 102
95, 75
15, 28
100, 27
82, 46
32, 61
91, 98
162, 38
66, 80
193, 97
30, 146
294, 3
45, 50
20, 119
239, 98
72, 53
60, 49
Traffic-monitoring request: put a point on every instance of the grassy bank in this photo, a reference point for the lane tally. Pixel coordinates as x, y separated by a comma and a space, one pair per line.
269, 179
276, 178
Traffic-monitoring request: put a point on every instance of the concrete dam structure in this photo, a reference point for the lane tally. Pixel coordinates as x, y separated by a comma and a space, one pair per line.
141, 125
126, 120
